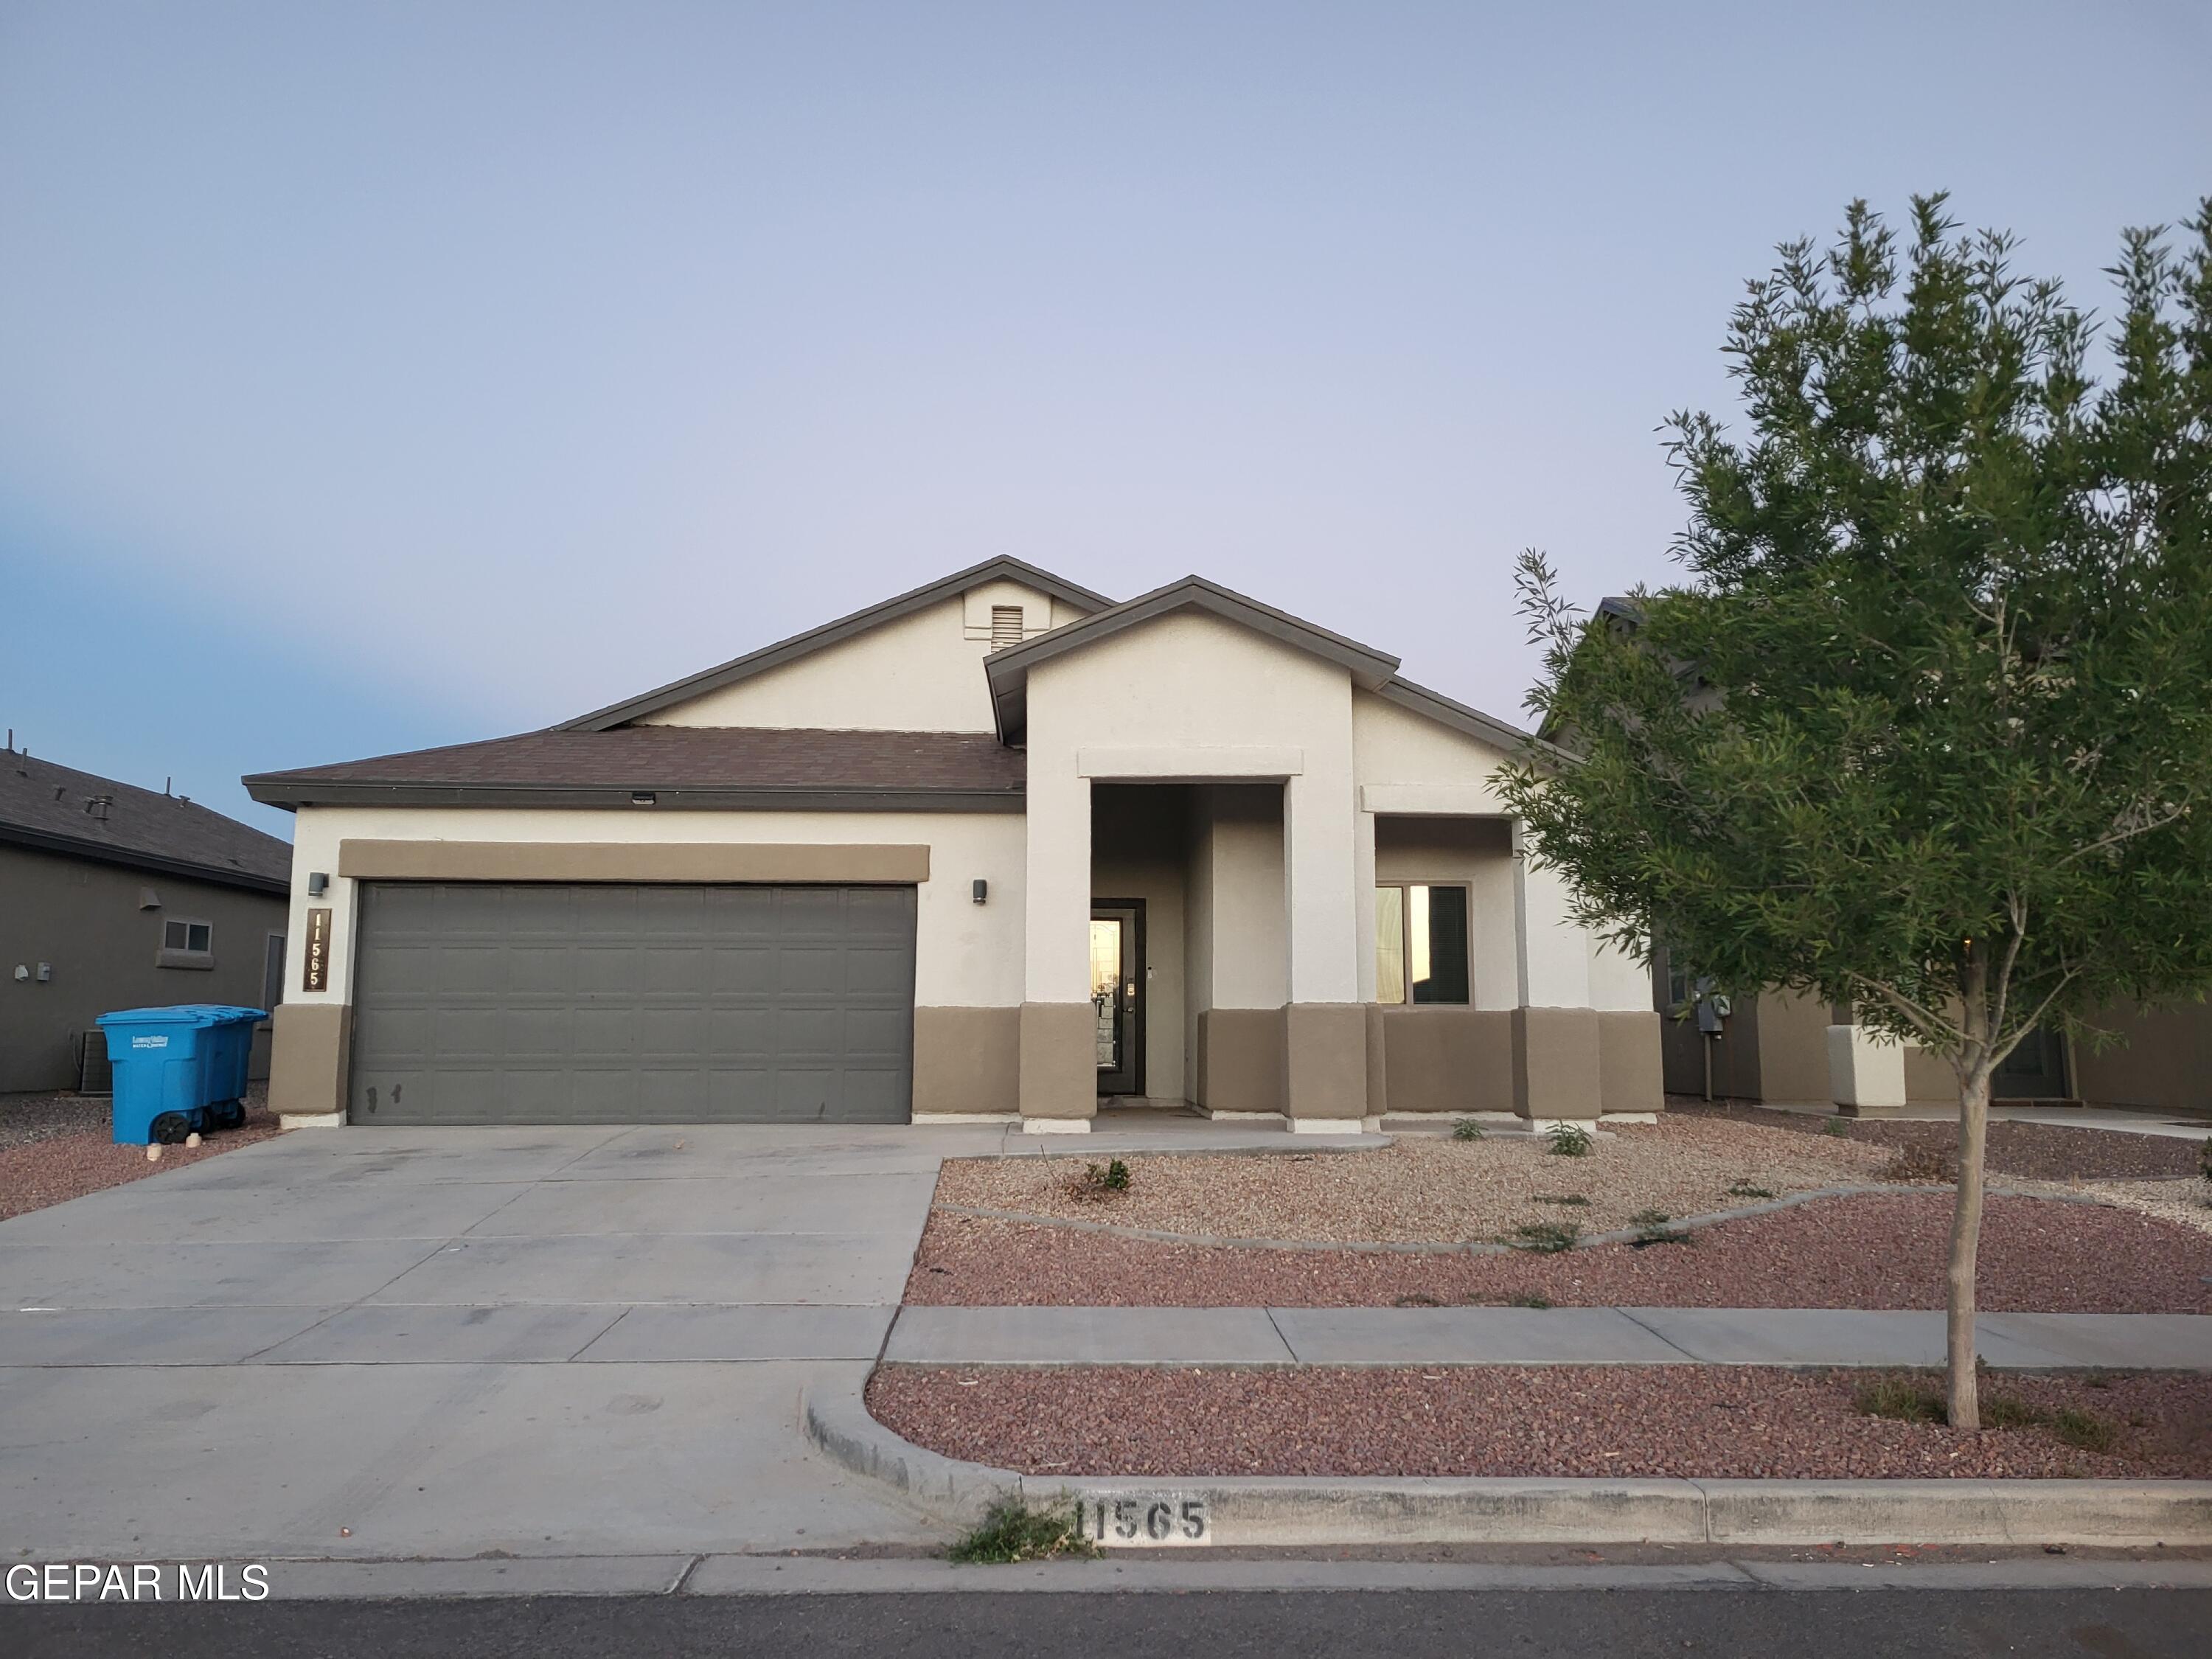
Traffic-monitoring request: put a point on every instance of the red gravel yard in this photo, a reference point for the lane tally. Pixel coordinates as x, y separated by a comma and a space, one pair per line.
1713, 1422
57, 1147
1874, 1250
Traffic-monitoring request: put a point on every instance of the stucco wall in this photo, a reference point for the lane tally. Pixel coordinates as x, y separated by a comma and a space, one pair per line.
1793, 1047
2164, 1061
919, 673
966, 955
85, 919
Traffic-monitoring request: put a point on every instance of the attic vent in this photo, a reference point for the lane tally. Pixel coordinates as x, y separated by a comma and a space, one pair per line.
98, 806
1005, 626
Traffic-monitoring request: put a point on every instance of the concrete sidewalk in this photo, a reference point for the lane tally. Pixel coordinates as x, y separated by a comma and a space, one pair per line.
1525, 1336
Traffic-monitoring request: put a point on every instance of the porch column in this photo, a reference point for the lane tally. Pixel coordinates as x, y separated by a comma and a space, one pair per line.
1058, 1052
1362, 961
1556, 1038
1324, 1024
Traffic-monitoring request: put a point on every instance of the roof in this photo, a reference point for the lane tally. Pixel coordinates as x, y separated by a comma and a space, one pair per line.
829, 634
1008, 670
740, 767
58, 809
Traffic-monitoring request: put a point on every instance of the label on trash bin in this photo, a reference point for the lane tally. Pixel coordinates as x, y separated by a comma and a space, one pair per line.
149, 1042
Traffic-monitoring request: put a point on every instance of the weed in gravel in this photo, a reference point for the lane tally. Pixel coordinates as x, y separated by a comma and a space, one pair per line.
1651, 1218
1111, 1177
2084, 1431
1745, 1189
1526, 1300
1922, 1162
1905, 1399
1570, 1140
1467, 1129
1014, 1531
1545, 1237
2005, 1411
1573, 1200
1417, 1299
1834, 1125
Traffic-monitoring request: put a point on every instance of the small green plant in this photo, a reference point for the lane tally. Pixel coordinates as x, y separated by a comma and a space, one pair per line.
1570, 1140
1011, 1530
1417, 1299
1467, 1129
2084, 1431
1545, 1237
1745, 1189
1527, 1299
1902, 1398
1574, 1200
1656, 1229
2005, 1411
1111, 1177
1834, 1125
1651, 1218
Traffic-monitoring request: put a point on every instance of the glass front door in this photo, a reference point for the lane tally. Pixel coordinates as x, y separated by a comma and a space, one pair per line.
1117, 1005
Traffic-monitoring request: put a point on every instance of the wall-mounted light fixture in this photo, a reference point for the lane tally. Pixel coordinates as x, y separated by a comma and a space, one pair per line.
983, 889
317, 884
642, 798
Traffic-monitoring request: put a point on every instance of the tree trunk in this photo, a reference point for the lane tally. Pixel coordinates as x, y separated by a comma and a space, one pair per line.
1966, 1411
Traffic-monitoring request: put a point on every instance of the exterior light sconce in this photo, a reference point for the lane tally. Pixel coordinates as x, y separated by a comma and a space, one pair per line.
317, 884
981, 889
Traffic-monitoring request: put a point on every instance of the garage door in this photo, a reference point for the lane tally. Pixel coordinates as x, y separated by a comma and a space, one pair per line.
534, 1003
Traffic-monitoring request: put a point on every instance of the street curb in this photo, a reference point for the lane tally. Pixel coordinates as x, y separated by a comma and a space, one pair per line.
1292, 1509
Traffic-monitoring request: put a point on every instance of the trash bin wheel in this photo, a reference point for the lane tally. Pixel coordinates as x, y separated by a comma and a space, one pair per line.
227, 1115
171, 1129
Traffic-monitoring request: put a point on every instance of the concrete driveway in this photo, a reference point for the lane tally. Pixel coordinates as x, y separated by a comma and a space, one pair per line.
385, 1343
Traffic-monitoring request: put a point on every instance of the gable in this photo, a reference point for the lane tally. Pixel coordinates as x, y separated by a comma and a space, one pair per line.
918, 672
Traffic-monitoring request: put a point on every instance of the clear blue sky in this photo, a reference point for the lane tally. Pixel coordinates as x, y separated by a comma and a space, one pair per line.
378, 375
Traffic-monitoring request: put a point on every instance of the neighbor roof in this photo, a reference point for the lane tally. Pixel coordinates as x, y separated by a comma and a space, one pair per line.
57, 809
752, 767
815, 639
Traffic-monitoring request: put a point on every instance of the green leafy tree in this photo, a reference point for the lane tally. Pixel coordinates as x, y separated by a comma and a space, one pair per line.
1927, 727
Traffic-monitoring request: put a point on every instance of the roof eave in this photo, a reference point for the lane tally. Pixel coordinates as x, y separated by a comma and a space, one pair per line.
294, 793
132, 859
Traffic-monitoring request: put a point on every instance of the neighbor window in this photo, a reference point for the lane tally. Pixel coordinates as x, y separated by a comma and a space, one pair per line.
194, 936
1005, 626
1421, 943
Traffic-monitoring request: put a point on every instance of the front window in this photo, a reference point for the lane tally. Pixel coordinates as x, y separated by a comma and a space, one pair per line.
1421, 943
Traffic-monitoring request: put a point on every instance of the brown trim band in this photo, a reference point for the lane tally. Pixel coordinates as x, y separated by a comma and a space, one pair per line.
685, 861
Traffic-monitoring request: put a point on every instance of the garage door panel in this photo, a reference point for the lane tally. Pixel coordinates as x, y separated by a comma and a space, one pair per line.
523, 1003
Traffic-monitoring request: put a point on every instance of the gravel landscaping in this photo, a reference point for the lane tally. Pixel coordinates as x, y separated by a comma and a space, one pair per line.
1743, 1422
1880, 1251
1427, 1190
55, 1147
2044, 1151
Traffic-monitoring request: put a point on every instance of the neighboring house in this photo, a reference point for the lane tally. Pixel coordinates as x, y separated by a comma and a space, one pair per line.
112, 896
1782, 1048
997, 847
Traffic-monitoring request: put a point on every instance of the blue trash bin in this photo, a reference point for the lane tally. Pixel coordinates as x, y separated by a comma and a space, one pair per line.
230, 1064
164, 1061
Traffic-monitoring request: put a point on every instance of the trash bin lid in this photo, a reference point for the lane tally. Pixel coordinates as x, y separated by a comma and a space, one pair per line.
183, 1013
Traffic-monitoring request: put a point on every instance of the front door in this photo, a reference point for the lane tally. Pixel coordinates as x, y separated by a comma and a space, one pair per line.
2036, 1070
1117, 994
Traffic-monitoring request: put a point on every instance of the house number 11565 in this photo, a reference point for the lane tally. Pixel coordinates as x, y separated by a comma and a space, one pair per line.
1148, 1520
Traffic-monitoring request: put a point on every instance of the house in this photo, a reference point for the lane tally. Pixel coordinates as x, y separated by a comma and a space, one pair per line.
1783, 1049
998, 848
114, 896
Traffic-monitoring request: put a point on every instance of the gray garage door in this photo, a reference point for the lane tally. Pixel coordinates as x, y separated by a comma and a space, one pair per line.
533, 1003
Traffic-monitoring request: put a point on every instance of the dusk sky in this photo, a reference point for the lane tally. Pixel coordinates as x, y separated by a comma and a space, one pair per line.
374, 376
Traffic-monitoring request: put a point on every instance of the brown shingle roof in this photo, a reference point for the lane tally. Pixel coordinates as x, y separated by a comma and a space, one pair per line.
699, 766
62, 810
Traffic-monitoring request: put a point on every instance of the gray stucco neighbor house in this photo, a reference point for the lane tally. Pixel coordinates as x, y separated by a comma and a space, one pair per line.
114, 896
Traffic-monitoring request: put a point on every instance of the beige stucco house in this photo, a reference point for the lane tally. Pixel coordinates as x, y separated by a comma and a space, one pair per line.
996, 849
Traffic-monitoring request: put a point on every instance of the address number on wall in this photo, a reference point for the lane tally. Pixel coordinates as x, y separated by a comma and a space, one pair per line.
1143, 1520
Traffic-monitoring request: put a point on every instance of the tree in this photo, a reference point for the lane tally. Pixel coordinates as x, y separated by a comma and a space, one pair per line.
1927, 727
